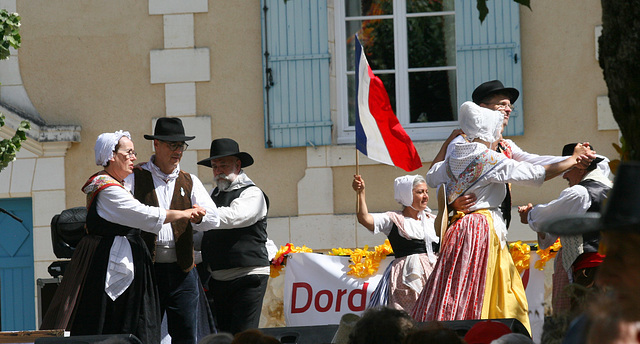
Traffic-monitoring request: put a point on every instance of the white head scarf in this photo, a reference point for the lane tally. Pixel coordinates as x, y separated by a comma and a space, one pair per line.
105, 144
479, 122
403, 189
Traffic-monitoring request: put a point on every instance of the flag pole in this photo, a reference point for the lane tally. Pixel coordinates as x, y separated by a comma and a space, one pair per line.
357, 173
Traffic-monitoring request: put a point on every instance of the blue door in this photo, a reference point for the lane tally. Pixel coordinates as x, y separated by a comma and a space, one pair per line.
17, 286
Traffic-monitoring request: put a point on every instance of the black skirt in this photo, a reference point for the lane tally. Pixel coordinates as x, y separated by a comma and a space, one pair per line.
92, 312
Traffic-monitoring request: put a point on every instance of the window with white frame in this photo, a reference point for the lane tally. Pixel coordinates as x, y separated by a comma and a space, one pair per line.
430, 55
410, 46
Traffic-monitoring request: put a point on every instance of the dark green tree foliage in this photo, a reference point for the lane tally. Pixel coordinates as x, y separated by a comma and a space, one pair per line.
482, 7
619, 57
10, 29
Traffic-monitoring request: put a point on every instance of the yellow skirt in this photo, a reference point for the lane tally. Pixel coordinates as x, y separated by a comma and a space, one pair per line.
504, 295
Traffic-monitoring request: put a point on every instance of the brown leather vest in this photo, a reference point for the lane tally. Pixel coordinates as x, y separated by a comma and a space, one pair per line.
182, 231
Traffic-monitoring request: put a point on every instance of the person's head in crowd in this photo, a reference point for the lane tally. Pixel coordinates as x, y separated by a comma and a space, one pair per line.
226, 160
483, 332
253, 336
513, 338
433, 333
347, 323
554, 328
618, 273
607, 325
169, 142
494, 96
217, 338
382, 325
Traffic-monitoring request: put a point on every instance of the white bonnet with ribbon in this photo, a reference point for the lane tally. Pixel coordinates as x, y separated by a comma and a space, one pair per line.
479, 122
106, 144
403, 189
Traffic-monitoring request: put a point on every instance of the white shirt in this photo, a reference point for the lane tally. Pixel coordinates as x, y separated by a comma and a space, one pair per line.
117, 205
572, 200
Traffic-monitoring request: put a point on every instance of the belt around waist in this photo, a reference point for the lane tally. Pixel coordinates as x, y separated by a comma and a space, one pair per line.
114, 233
166, 254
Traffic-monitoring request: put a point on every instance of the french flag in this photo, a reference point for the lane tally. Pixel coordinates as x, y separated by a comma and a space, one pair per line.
379, 135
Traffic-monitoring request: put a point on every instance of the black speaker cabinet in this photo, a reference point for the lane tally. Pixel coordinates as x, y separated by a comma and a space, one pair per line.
320, 334
46, 288
102, 339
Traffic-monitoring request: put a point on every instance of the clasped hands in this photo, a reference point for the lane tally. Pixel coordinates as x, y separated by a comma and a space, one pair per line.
197, 213
585, 155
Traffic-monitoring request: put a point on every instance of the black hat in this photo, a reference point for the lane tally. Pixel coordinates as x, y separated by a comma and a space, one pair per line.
169, 129
226, 147
620, 213
493, 87
567, 150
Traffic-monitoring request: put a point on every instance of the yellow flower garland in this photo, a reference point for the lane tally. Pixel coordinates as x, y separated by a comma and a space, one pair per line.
521, 254
547, 254
280, 260
365, 263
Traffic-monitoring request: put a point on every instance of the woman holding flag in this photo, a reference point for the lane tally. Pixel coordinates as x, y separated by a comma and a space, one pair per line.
475, 277
412, 236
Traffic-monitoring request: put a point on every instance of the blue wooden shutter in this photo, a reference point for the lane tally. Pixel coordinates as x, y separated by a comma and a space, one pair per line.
489, 50
296, 73
16, 266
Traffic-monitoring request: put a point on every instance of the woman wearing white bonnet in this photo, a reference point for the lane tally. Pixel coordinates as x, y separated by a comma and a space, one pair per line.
109, 284
412, 236
475, 277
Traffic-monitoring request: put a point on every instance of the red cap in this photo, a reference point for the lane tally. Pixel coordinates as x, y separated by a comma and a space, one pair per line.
484, 332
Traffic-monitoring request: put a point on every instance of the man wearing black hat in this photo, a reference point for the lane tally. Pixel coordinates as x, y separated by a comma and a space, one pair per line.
160, 182
619, 226
236, 251
493, 95
578, 259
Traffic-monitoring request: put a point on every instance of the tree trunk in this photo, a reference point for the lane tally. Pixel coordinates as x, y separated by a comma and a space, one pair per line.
620, 62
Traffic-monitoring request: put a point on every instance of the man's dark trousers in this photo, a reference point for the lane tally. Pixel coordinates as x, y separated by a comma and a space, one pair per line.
178, 292
238, 302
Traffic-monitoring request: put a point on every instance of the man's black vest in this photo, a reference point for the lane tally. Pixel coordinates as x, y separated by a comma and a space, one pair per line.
235, 247
597, 193
180, 200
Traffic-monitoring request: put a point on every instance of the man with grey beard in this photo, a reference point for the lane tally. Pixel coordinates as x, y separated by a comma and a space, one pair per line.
236, 251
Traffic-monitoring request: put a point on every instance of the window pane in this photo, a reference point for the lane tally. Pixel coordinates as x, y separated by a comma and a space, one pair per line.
432, 96
431, 41
357, 8
389, 82
421, 6
376, 37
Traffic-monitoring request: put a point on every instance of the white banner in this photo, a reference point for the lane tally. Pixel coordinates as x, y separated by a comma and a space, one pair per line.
318, 291
533, 280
